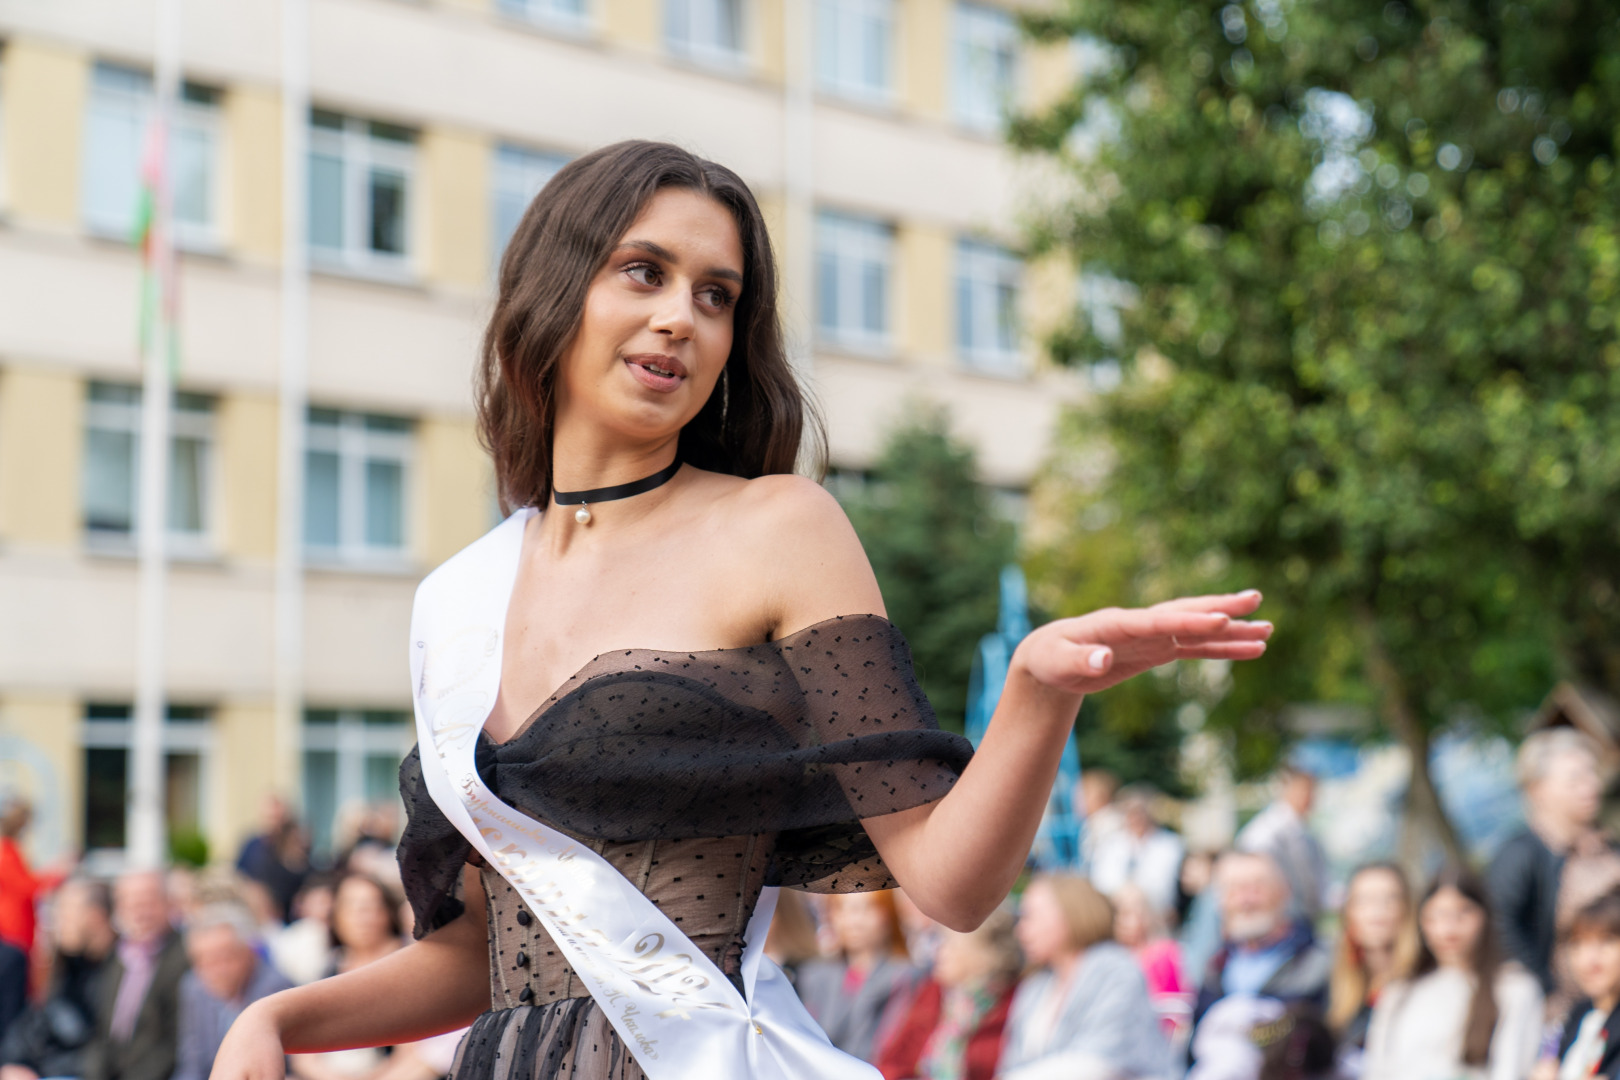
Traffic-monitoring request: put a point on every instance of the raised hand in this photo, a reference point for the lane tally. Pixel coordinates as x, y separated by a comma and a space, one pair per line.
1093, 652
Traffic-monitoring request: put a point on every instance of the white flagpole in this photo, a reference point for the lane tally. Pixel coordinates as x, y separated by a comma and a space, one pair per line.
146, 845
289, 607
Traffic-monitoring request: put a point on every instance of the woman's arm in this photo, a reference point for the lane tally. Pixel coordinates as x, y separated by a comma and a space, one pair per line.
957, 858
434, 985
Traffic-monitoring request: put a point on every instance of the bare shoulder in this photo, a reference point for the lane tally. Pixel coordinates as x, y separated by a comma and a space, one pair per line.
812, 564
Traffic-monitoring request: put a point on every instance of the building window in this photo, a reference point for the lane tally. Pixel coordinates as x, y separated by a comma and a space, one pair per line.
985, 64
351, 767
108, 740
854, 48
112, 445
572, 15
707, 31
355, 474
121, 108
520, 173
988, 280
360, 178
854, 263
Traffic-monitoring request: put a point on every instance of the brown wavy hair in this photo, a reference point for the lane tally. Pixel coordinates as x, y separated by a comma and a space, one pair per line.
758, 417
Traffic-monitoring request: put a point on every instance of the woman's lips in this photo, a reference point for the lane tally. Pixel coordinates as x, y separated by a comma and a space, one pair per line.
661, 373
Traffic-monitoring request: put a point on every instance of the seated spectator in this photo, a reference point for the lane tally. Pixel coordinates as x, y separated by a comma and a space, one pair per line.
1263, 952
1282, 832
302, 950
1463, 1013
1140, 852
226, 976
1591, 1042
954, 1025
138, 1002
49, 1039
365, 928
278, 857
1085, 1012
21, 887
847, 996
1140, 928
1377, 945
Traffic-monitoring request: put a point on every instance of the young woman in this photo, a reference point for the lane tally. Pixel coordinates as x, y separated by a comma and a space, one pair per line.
1139, 926
1378, 944
1591, 1040
1464, 1013
365, 928
953, 1026
665, 682
1084, 1010
849, 994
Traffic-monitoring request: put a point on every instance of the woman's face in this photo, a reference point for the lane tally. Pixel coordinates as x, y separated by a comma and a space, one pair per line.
1042, 930
1451, 925
1594, 961
1132, 920
1374, 909
657, 325
360, 915
962, 960
861, 923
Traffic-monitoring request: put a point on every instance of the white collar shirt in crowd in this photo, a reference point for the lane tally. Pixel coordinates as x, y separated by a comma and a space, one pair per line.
1152, 863
1582, 1058
1417, 1028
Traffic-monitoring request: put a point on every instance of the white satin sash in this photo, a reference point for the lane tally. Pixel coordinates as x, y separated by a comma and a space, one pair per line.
678, 1015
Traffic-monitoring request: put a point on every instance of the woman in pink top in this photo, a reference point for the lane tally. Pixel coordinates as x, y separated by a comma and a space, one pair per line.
1141, 929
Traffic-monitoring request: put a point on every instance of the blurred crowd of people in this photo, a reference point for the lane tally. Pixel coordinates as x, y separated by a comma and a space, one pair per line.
140, 977
1155, 964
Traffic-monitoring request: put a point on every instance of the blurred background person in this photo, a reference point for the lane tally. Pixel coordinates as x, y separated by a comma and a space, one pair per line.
922, 933
365, 927
138, 1001
1083, 1011
1282, 831
277, 856
1589, 1043
49, 1039
1139, 926
849, 994
1200, 929
21, 887
302, 950
1139, 852
227, 974
1557, 772
953, 1027
1265, 951
1094, 793
1378, 943
1463, 1013
13, 984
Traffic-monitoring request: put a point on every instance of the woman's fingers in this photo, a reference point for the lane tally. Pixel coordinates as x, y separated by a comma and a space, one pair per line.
1222, 650
1239, 603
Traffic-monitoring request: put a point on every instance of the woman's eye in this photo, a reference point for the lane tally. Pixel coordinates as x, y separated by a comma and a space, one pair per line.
643, 275
718, 297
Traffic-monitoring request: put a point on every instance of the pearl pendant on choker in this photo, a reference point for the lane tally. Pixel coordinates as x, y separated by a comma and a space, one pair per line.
583, 516
616, 491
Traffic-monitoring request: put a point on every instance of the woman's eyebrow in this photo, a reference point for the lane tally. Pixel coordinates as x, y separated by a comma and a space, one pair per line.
659, 251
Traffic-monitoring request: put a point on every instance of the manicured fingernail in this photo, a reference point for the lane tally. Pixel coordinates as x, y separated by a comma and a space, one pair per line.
1099, 659
1250, 592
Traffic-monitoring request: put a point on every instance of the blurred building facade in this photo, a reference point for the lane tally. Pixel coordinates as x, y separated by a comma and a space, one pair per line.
867, 127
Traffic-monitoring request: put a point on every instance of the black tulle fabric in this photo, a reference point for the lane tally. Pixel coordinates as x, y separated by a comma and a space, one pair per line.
794, 741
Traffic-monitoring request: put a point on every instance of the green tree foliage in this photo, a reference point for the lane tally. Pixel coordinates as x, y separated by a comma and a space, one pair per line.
937, 547
1371, 365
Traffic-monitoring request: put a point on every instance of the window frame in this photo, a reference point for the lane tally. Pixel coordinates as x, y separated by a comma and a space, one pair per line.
679, 44
140, 109
972, 25
351, 739
182, 734
502, 185
983, 268
857, 236
359, 151
543, 14
355, 446
847, 16
125, 418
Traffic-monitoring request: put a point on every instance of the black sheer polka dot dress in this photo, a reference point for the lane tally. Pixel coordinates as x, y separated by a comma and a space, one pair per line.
703, 777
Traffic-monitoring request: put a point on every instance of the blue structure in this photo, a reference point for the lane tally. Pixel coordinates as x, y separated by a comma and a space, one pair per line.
1057, 844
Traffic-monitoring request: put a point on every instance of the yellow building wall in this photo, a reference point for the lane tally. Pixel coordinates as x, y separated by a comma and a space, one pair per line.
244, 746
247, 429
253, 172
41, 448
455, 486
769, 55
45, 92
41, 759
1048, 74
925, 258
638, 23
924, 35
1049, 299
455, 167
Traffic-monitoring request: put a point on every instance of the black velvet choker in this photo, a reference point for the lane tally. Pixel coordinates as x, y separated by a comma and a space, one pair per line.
615, 491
